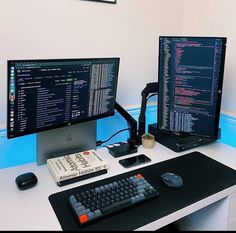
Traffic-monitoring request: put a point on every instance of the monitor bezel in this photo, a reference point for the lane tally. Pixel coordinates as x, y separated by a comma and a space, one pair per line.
220, 81
100, 116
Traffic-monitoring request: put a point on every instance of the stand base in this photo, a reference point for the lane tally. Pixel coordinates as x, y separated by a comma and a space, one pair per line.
123, 149
178, 143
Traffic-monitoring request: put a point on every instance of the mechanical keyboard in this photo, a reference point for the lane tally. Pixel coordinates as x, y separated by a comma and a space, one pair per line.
97, 202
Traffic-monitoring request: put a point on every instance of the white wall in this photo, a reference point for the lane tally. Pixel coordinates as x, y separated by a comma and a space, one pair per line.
31, 29
216, 18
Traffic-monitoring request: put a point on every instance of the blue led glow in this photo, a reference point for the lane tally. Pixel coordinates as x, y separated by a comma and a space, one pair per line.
228, 127
22, 150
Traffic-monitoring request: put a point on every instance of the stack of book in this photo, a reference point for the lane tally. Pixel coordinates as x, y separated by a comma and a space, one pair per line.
75, 167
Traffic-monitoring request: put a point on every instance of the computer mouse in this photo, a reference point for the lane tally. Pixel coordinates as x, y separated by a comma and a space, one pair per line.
26, 181
172, 180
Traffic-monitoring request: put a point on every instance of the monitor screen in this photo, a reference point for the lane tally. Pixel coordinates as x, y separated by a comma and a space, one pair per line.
47, 94
190, 84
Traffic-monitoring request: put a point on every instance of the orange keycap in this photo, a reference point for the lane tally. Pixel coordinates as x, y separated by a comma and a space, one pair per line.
83, 218
139, 176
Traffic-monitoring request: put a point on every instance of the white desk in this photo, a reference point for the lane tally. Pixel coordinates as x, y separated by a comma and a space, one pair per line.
31, 210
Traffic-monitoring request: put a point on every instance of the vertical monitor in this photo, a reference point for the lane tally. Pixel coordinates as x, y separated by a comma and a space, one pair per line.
48, 94
190, 84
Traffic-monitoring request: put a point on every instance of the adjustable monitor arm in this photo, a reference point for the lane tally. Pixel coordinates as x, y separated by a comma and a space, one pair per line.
131, 146
149, 89
132, 123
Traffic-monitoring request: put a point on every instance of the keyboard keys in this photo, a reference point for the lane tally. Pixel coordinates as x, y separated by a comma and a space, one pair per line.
109, 198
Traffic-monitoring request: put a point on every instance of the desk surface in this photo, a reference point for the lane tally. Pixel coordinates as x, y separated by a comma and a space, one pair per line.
31, 210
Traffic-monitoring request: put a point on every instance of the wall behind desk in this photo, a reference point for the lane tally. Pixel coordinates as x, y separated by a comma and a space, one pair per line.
41, 29
216, 18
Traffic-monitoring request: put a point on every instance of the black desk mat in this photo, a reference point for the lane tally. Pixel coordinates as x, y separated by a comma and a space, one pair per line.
202, 177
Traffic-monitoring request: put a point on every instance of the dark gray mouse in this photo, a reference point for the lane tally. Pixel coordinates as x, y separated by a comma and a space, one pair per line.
172, 180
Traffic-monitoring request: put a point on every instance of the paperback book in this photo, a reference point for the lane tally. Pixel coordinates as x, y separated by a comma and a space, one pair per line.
78, 165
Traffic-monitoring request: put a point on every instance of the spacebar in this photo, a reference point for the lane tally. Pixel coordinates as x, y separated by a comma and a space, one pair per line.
116, 206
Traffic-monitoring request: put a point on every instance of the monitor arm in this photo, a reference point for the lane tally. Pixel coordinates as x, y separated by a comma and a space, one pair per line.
132, 123
131, 145
150, 88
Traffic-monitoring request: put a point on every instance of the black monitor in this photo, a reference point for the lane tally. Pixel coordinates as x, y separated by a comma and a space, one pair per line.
190, 84
49, 94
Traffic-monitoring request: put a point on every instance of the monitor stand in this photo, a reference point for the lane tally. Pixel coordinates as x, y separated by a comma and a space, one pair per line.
65, 140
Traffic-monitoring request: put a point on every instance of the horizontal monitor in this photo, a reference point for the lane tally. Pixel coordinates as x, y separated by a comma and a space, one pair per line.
47, 94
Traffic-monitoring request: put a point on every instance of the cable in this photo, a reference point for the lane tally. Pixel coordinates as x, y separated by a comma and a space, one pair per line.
99, 143
152, 95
